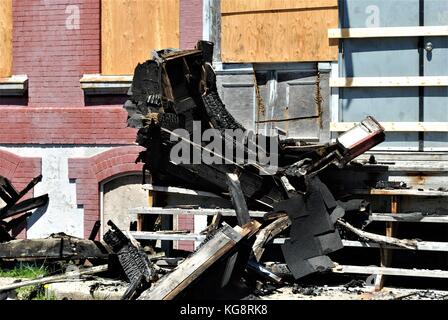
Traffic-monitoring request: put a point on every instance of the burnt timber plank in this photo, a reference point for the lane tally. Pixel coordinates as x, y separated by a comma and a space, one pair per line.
224, 240
52, 248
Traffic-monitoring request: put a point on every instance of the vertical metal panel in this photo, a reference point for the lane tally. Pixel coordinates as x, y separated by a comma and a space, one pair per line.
394, 57
436, 64
237, 93
380, 57
286, 91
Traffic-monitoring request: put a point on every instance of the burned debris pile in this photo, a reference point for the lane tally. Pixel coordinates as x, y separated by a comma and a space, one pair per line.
15, 212
192, 141
174, 97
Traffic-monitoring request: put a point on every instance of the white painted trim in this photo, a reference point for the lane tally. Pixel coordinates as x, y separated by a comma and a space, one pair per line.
206, 20
387, 32
15, 85
100, 84
428, 81
391, 271
334, 101
101, 210
396, 126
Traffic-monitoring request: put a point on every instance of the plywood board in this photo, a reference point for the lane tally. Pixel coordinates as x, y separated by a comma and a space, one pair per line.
277, 31
132, 29
238, 6
5, 38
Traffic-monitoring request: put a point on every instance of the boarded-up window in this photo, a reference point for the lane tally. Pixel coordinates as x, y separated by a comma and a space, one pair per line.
5, 38
131, 29
277, 30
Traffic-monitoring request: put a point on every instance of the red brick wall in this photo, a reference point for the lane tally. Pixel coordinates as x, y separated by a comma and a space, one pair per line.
82, 125
54, 57
190, 23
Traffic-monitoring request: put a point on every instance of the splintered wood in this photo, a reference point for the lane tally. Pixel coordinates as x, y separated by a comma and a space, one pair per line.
278, 30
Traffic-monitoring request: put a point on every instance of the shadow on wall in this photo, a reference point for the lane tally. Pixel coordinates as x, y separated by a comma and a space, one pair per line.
37, 215
105, 100
14, 100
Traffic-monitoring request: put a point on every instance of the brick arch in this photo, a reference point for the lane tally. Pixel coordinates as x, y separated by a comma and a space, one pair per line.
19, 170
90, 172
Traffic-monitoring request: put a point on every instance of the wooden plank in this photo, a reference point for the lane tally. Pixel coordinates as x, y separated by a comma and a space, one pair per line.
388, 32
238, 199
421, 245
396, 126
407, 217
148, 235
168, 287
131, 29
239, 6
385, 253
427, 81
6, 38
401, 192
391, 271
267, 233
151, 187
52, 248
278, 32
196, 212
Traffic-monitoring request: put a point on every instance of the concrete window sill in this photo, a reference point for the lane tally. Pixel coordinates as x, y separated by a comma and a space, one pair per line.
95, 84
15, 85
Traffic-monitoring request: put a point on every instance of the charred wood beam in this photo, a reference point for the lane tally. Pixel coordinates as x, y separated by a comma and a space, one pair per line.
238, 200
191, 269
134, 261
95, 230
26, 205
53, 248
267, 234
405, 243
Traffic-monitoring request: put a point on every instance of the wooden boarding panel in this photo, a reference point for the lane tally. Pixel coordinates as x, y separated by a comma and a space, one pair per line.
238, 6
277, 31
387, 32
5, 38
132, 29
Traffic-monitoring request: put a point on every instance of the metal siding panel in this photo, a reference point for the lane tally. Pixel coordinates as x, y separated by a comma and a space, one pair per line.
436, 64
237, 93
380, 57
385, 104
436, 12
391, 13
436, 110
